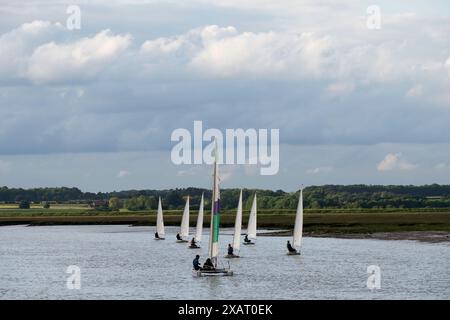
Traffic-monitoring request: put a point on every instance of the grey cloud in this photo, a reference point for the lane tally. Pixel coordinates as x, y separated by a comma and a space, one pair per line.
332, 89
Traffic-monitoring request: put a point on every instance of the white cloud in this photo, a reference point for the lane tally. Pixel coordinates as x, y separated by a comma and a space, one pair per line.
340, 88
447, 64
225, 52
17, 45
190, 171
415, 91
123, 173
394, 161
262, 53
82, 59
319, 170
442, 165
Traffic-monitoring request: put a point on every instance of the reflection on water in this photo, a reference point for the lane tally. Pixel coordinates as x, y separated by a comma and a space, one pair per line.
121, 262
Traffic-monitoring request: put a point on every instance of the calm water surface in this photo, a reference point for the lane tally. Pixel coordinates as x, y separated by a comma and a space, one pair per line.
121, 262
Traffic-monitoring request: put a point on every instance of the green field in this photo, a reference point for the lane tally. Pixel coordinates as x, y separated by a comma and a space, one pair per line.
315, 221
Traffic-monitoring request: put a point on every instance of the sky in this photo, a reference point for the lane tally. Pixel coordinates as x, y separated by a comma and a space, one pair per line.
95, 107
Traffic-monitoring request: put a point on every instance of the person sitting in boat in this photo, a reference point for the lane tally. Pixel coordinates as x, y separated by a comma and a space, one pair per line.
156, 235
230, 250
208, 265
246, 239
196, 263
179, 237
290, 248
193, 243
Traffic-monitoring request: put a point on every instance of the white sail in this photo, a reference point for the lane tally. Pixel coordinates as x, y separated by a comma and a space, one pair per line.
160, 220
198, 236
298, 228
251, 229
184, 232
238, 225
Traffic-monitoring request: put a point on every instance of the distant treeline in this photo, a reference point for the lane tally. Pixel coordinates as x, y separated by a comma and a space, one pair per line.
316, 197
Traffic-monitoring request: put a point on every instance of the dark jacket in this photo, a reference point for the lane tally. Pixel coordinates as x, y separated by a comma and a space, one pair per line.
208, 264
290, 248
230, 250
196, 264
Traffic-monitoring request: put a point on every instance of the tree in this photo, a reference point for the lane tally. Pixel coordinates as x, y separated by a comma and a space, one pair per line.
24, 204
114, 203
45, 204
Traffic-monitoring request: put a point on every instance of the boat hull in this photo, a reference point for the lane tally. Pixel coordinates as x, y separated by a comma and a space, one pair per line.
182, 241
160, 238
293, 253
194, 247
248, 243
231, 256
212, 273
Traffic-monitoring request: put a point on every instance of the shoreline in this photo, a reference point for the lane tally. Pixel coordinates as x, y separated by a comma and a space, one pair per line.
421, 236
428, 236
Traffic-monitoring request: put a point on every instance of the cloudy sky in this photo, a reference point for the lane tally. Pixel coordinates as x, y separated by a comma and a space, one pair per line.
95, 107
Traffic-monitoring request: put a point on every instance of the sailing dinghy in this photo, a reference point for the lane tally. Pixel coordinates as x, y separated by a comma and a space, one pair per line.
251, 229
199, 231
237, 230
184, 231
298, 227
159, 235
213, 250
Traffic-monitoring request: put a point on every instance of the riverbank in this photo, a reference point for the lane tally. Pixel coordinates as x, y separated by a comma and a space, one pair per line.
421, 226
422, 236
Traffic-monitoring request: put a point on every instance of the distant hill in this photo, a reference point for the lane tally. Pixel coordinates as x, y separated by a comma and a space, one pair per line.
317, 197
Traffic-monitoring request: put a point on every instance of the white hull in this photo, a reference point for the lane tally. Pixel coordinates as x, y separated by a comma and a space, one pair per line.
212, 273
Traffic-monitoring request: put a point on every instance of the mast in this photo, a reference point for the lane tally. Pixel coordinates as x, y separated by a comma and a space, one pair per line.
213, 249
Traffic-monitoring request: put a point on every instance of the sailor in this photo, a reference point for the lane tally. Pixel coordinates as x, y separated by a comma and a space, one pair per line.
230, 250
156, 235
196, 263
208, 265
246, 240
179, 237
193, 244
290, 248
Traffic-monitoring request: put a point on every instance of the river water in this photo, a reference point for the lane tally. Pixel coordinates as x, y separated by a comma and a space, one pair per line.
122, 262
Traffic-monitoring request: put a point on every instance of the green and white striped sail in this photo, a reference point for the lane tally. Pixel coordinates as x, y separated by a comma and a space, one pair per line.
213, 250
